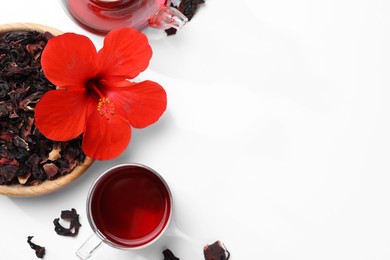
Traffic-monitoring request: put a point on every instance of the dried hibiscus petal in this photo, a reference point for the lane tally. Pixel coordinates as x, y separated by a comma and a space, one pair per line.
39, 250
50, 169
168, 255
55, 153
216, 251
73, 218
189, 7
22, 84
171, 31
24, 178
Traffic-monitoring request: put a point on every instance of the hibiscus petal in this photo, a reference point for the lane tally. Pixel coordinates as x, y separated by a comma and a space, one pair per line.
105, 139
69, 60
125, 54
61, 114
142, 104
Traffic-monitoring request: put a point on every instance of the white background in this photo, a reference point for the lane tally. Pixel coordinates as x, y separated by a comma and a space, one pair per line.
276, 139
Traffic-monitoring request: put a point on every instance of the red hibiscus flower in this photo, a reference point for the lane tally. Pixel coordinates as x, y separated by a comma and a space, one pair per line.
94, 96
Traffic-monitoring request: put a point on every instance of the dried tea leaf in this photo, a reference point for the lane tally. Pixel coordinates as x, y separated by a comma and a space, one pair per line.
55, 153
24, 178
39, 250
50, 169
171, 31
216, 251
168, 255
189, 7
22, 84
35, 49
73, 218
7, 172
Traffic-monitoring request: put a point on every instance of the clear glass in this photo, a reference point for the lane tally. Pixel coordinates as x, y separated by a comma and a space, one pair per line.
97, 238
167, 17
89, 247
102, 16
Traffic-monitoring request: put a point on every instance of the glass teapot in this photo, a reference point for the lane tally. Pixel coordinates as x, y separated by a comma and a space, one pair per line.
102, 16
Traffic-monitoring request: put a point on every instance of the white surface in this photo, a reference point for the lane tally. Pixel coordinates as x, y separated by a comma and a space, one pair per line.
276, 139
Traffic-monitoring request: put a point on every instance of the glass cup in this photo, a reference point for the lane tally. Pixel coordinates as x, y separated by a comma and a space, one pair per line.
102, 16
128, 207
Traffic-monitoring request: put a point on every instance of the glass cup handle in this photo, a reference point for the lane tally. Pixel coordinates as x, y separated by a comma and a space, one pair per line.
89, 247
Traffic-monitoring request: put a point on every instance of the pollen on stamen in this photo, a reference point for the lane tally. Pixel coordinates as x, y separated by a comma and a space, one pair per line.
106, 108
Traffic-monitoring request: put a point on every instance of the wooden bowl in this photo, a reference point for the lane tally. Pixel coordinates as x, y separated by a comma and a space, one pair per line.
46, 186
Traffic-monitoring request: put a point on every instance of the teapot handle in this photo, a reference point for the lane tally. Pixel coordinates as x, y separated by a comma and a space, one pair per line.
167, 17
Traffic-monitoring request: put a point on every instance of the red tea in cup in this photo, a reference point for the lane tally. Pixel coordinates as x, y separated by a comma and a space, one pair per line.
129, 206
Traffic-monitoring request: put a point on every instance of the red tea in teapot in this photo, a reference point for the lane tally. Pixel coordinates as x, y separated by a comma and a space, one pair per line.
102, 16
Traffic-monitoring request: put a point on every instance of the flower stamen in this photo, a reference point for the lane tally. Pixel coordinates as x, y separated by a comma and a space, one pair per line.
106, 108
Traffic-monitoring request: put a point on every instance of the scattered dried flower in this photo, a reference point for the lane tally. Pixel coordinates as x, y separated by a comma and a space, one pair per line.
24, 151
39, 250
216, 251
73, 218
189, 7
168, 255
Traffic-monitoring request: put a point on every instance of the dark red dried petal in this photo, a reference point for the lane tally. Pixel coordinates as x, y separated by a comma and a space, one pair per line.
168, 255
22, 84
189, 7
171, 31
50, 169
7, 173
216, 251
39, 250
73, 217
